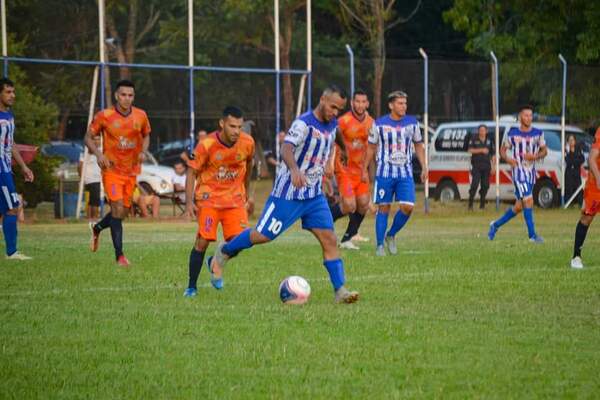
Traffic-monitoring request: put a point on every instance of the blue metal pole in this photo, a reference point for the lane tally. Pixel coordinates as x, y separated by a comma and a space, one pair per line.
426, 123
562, 129
351, 55
6, 67
309, 92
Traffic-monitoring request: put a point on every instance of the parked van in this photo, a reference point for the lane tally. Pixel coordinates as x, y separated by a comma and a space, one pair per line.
450, 161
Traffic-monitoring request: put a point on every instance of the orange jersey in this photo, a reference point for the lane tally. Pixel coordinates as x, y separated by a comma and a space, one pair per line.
122, 136
221, 171
591, 182
355, 134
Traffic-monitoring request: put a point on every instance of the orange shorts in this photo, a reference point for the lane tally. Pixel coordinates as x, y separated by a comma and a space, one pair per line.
119, 187
351, 185
233, 220
591, 199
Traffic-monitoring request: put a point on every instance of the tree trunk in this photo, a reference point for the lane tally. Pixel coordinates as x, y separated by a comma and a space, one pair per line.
62, 125
285, 47
378, 48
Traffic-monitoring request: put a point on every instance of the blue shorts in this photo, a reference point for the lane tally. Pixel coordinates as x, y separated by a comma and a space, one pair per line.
394, 190
523, 189
279, 214
9, 199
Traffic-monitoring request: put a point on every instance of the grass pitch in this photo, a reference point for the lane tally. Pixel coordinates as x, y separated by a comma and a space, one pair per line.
452, 316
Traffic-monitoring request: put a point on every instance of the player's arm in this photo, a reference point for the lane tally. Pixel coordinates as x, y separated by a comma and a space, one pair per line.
94, 129
249, 168
372, 143
339, 140
420, 152
26, 171
194, 168
287, 155
504, 155
593, 161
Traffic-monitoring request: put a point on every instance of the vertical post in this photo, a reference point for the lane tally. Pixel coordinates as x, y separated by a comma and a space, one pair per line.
102, 81
562, 130
309, 52
351, 55
277, 68
426, 123
496, 99
191, 65
4, 38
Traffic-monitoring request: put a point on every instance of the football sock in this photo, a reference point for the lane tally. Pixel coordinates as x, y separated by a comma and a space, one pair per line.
508, 215
356, 219
381, 221
238, 243
336, 211
9, 227
580, 234
528, 216
104, 223
196, 259
336, 272
400, 220
116, 231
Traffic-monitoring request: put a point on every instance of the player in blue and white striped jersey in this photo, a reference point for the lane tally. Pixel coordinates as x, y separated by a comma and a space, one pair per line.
307, 153
9, 199
391, 140
521, 148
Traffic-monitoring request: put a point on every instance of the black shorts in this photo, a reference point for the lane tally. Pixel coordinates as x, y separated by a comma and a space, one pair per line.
94, 190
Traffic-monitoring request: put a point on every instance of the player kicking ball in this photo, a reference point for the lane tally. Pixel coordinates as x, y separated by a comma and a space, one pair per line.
297, 193
9, 199
591, 200
125, 132
220, 173
391, 138
526, 145
354, 128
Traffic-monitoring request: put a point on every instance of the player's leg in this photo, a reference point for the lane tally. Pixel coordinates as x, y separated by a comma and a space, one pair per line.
510, 213
356, 218
528, 217
9, 209
383, 196
405, 196
475, 179
347, 204
580, 234
208, 220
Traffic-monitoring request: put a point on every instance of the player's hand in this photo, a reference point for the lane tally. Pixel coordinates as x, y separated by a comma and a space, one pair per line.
329, 170
493, 172
189, 211
298, 178
372, 207
142, 157
513, 163
103, 162
327, 188
364, 176
250, 206
27, 173
424, 175
530, 156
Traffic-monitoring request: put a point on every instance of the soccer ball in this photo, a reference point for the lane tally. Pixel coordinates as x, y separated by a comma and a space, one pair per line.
294, 290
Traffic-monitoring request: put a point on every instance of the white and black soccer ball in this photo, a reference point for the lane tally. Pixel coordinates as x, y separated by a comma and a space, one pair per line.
294, 290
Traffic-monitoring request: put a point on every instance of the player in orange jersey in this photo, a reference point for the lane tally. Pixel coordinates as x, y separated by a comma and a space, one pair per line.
125, 132
591, 201
220, 173
354, 127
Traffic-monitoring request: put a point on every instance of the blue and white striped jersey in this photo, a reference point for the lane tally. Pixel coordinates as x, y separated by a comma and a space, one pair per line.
395, 139
7, 132
313, 141
519, 143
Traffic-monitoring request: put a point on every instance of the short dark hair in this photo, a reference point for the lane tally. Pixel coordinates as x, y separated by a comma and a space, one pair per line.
526, 107
179, 161
124, 83
397, 94
333, 88
482, 126
232, 111
359, 92
5, 82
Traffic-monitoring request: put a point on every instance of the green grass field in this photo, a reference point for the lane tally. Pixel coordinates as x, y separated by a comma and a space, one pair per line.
452, 316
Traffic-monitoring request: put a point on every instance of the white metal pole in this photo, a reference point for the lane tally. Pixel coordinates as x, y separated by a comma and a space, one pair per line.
426, 122
191, 72
4, 38
101, 29
85, 148
562, 130
309, 52
496, 94
102, 71
277, 79
300, 95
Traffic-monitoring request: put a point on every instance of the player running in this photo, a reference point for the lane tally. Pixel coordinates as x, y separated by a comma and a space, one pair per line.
526, 145
125, 132
591, 197
9, 199
354, 128
297, 194
220, 171
392, 138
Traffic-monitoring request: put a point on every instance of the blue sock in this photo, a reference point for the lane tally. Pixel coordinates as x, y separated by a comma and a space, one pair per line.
381, 221
9, 227
336, 272
508, 215
238, 243
400, 220
528, 216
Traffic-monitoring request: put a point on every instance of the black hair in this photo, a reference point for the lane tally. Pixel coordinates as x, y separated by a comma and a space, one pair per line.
124, 83
396, 94
5, 82
482, 126
179, 161
232, 111
359, 92
333, 88
526, 107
